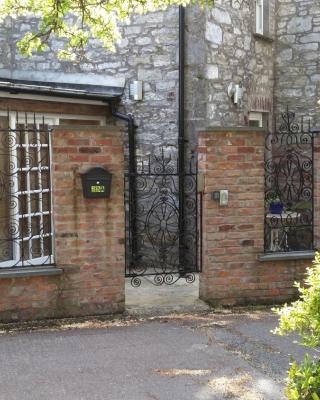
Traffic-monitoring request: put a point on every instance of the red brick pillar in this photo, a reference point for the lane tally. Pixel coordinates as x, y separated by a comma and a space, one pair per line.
89, 232
233, 236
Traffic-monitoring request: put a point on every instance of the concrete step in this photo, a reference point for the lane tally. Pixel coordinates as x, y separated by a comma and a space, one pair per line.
149, 299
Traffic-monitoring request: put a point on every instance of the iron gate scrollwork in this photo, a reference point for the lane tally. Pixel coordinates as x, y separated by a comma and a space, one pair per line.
289, 186
162, 241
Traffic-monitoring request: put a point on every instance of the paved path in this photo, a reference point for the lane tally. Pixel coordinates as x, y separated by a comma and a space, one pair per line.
190, 357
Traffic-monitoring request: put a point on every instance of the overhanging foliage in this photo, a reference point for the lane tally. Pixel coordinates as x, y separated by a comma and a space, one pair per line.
79, 20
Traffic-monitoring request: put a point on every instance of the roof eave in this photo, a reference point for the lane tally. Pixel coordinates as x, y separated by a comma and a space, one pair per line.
53, 89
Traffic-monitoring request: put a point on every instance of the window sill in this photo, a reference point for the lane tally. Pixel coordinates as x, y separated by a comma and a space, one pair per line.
263, 37
294, 255
26, 272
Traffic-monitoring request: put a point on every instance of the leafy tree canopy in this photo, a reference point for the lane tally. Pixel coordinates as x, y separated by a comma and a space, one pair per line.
79, 20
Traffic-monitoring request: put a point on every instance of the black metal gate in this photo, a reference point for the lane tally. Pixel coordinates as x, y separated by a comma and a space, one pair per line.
162, 241
289, 188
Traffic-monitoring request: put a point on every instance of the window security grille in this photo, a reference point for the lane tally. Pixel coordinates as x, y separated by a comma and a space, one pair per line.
26, 232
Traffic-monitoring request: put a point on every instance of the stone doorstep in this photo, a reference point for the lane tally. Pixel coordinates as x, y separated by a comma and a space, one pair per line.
199, 306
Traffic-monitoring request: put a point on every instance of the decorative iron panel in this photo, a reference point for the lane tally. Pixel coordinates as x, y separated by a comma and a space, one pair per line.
162, 243
289, 187
25, 192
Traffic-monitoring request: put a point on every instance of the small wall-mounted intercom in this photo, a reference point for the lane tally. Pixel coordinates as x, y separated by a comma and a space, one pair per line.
222, 196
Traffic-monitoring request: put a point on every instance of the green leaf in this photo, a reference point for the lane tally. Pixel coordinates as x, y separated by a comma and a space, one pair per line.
303, 315
304, 380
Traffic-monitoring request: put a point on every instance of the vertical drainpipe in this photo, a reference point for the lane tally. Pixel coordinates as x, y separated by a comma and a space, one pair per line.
131, 135
181, 138
128, 118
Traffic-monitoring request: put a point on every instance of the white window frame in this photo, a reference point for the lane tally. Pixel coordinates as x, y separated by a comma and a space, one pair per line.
259, 17
49, 119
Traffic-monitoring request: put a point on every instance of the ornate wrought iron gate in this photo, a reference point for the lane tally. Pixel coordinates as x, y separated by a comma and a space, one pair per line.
162, 241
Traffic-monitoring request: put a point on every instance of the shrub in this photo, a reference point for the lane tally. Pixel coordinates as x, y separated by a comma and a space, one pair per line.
304, 380
303, 318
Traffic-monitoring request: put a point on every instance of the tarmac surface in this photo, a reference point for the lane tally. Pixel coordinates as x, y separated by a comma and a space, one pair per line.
195, 356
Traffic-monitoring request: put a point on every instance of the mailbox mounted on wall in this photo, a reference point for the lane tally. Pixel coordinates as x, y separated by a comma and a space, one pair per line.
96, 183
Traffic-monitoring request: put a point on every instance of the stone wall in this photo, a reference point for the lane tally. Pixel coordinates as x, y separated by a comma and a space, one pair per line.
235, 54
220, 49
89, 236
297, 58
148, 52
233, 236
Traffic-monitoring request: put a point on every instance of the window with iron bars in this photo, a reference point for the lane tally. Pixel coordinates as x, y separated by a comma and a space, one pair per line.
26, 229
26, 223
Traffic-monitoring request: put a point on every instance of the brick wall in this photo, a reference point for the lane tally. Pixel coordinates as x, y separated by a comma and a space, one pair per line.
89, 235
233, 236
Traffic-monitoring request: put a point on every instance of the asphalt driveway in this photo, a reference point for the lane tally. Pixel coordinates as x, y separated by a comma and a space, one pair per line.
182, 357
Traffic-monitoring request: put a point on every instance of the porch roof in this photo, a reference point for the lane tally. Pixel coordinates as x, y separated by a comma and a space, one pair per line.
61, 89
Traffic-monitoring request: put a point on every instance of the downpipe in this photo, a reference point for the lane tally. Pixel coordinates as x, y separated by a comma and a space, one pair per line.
129, 119
181, 140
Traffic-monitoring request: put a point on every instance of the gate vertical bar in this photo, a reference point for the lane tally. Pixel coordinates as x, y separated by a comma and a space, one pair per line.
314, 132
313, 181
181, 140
